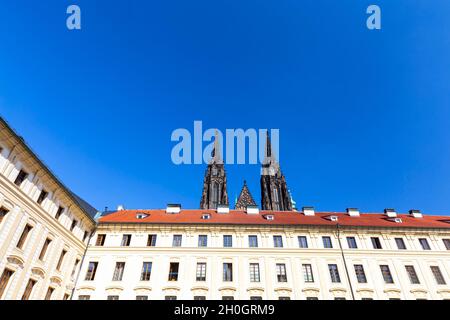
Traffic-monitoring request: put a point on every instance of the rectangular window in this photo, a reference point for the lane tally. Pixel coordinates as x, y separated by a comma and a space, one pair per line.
173, 271
438, 275
281, 272
446, 241
253, 241
44, 249
254, 272
227, 241
28, 289
386, 272
60, 260
360, 274
3, 213
141, 298
278, 241
170, 298
424, 244
202, 240
92, 269
176, 242
339, 298
284, 298
42, 196
146, 271
256, 298
126, 240
4, 280
307, 273
112, 298
227, 272
48, 295
66, 297
303, 242
327, 242
20, 178
84, 297
59, 212
118, 271
400, 243
100, 240
73, 224
334, 273
312, 298
24, 236
75, 266
151, 241
376, 243
199, 298
351, 241
227, 298
200, 274
412, 275
85, 235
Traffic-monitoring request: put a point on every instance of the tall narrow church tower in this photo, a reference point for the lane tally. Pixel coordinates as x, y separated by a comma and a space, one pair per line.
274, 191
215, 181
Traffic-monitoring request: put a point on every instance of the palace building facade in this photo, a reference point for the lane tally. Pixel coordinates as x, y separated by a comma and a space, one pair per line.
53, 245
44, 227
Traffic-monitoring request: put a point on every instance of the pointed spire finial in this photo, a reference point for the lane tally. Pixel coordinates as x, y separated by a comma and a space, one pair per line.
216, 155
268, 145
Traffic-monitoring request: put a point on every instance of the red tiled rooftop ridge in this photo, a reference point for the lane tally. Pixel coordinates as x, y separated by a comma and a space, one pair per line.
289, 218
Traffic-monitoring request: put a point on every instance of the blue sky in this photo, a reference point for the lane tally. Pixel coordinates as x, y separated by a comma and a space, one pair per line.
364, 116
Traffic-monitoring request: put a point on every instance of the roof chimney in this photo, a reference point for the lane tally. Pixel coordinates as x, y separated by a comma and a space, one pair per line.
353, 212
252, 210
415, 213
223, 208
390, 213
173, 208
308, 211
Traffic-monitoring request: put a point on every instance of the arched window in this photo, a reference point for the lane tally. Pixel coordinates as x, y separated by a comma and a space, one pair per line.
215, 195
276, 199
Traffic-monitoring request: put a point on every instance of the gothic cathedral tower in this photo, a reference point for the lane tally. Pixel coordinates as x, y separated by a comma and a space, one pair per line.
215, 181
274, 191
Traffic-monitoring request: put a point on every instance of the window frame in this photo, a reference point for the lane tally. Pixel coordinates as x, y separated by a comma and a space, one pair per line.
400, 242
200, 272
333, 270
351, 243
281, 272
253, 241
327, 242
360, 273
303, 244
146, 271
278, 241
254, 272
228, 241
308, 274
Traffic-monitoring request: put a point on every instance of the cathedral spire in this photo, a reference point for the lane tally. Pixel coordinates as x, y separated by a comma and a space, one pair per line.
215, 180
245, 199
268, 145
216, 154
274, 191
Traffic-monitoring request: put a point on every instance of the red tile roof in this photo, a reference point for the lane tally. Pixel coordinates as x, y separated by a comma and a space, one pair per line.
291, 218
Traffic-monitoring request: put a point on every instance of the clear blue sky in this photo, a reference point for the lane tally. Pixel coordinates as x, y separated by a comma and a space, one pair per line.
364, 116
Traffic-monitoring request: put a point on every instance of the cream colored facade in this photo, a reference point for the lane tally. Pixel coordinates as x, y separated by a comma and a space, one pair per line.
267, 257
53, 272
